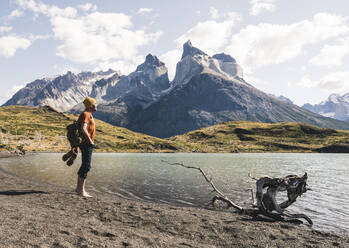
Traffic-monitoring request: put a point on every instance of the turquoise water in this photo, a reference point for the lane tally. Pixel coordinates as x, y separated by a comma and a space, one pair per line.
145, 176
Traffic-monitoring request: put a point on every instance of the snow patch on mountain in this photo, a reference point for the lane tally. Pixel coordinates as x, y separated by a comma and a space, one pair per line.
195, 61
335, 106
62, 92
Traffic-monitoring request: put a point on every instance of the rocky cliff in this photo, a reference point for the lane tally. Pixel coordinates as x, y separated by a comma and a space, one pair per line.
209, 99
195, 61
135, 92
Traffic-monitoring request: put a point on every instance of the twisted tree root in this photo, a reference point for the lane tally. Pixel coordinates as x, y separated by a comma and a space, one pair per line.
294, 185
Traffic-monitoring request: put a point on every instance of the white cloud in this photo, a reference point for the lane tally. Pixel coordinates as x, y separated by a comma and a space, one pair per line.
15, 13
214, 13
51, 11
336, 82
88, 7
123, 66
198, 12
211, 35
259, 6
7, 94
256, 81
10, 44
143, 11
264, 44
233, 17
306, 82
170, 59
4, 29
331, 55
98, 39
13, 90
34, 37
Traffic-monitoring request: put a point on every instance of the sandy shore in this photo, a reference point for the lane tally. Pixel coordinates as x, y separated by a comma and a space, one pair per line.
39, 215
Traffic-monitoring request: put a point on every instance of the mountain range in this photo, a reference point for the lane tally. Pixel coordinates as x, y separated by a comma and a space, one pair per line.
60, 92
205, 91
336, 106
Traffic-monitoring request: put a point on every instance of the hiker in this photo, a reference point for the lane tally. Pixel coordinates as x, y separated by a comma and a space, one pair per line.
88, 130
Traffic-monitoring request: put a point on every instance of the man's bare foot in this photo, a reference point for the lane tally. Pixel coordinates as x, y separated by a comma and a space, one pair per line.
84, 194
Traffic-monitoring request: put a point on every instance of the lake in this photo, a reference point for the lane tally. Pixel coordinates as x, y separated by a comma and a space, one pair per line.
145, 176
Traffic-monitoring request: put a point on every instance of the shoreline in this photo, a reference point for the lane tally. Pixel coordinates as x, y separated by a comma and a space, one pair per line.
12, 154
36, 214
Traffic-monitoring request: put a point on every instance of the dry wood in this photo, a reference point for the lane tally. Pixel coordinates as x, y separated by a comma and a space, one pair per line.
294, 185
266, 201
220, 196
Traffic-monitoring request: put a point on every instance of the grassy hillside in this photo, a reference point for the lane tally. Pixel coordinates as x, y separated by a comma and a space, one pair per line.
265, 137
43, 129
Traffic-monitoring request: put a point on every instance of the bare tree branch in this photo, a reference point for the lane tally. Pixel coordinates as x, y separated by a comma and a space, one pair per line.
266, 202
220, 196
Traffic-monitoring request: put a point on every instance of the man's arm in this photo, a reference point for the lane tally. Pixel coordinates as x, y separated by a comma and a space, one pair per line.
85, 133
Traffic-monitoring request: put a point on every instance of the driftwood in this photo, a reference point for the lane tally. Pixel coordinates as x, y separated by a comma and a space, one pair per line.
219, 195
266, 201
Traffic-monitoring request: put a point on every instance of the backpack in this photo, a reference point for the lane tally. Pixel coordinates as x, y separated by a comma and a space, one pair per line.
75, 138
74, 134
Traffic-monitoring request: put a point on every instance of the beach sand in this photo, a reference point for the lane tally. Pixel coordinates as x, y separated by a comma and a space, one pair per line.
41, 215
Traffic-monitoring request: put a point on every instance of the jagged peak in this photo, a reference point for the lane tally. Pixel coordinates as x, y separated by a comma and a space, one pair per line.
38, 82
334, 97
224, 57
189, 49
284, 98
68, 75
150, 61
109, 71
307, 105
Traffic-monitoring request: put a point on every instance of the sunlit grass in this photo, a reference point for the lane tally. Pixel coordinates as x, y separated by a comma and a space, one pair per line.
263, 137
45, 130
41, 129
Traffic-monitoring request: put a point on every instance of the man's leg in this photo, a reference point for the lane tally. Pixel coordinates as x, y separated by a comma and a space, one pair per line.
86, 156
80, 187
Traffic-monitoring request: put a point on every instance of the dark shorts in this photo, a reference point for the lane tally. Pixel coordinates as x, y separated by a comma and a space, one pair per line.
86, 157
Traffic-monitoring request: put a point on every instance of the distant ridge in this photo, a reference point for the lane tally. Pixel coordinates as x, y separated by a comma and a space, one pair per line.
336, 106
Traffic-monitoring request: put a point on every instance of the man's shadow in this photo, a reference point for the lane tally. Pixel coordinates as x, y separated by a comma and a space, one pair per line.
22, 192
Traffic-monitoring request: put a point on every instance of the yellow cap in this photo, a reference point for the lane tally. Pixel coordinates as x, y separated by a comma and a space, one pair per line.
88, 102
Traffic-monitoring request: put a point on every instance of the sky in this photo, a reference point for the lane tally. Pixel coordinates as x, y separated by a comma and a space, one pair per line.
298, 49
